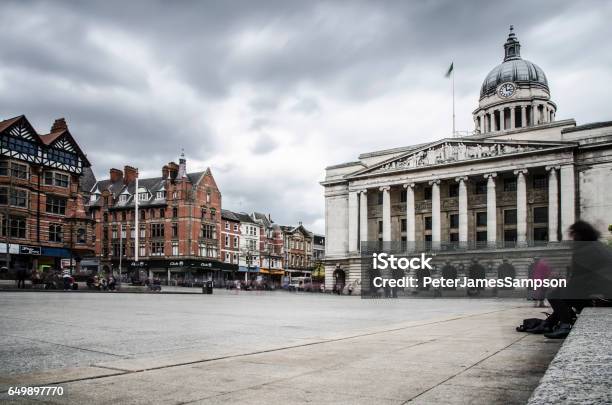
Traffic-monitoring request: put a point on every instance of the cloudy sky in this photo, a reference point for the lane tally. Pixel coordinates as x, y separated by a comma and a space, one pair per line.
269, 93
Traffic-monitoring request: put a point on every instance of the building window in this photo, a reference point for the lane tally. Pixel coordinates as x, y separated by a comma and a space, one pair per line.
203, 213
380, 198
403, 224
17, 227
123, 215
428, 238
175, 230
202, 249
427, 223
157, 249
481, 236
175, 249
56, 205
160, 195
56, 179
427, 193
143, 215
540, 215
175, 212
19, 198
454, 220
480, 187
123, 232
235, 242
540, 181
454, 237
18, 170
403, 196
509, 217
510, 235
453, 190
162, 212
236, 227
380, 227
227, 226
157, 230
55, 233
481, 219
540, 233
81, 235
510, 184
213, 214
227, 241
142, 251
208, 196
115, 232
123, 198
143, 196
208, 232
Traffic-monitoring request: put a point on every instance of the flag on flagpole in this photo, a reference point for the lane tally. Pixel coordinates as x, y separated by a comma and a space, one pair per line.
450, 70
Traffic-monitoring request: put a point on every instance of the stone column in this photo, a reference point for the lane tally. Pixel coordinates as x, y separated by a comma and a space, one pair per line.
435, 211
386, 214
491, 208
568, 208
501, 119
553, 204
523, 116
521, 206
410, 214
534, 114
363, 216
353, 220
463, 209
512, 118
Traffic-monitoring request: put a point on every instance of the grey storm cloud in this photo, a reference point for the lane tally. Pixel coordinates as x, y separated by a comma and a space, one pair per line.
140, 80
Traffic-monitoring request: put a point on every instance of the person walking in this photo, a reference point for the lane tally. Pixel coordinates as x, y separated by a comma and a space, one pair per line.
66, 279
21, 277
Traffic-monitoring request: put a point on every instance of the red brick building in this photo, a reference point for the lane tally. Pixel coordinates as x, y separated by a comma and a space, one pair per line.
43, 217
179, 225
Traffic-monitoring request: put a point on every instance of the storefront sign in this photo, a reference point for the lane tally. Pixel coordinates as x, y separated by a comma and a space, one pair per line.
13, 248
29, 250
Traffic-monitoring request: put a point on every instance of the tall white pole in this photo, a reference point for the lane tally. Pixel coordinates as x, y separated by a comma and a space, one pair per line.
120, 249
137, 229
453, 73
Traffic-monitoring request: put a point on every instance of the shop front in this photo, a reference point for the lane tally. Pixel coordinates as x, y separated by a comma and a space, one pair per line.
184, 272
272, 277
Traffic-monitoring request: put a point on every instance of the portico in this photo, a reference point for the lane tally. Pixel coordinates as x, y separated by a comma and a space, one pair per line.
488, 200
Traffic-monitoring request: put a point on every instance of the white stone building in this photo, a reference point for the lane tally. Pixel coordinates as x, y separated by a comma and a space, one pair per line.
521, 177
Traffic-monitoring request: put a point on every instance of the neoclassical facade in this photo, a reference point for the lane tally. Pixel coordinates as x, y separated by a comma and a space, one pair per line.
522, 177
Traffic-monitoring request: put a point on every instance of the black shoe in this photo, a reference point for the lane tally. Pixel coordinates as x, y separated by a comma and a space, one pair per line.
541, 328
561, 332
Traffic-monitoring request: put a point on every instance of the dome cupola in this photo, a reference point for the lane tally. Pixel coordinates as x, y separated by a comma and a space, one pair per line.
514, 94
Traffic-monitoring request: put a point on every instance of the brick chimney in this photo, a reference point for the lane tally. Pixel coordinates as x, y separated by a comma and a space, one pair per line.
129, 174
59, 125
173, 169
165, 172
115, 175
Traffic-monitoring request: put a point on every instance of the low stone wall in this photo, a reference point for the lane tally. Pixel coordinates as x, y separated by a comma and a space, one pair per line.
581, 372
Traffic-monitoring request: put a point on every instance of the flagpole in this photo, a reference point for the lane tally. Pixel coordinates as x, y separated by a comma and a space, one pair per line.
453, 73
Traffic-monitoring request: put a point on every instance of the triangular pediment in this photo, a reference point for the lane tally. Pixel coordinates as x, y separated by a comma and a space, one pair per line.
449, 151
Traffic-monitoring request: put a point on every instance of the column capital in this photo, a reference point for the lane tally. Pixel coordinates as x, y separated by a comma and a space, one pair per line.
385, 188
490, 175
461, 178
552, 168
409, 185
363, 191
520, 171
434, 181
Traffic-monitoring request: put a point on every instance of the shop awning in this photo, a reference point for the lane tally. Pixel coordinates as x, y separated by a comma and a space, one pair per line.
244, 269
275, 272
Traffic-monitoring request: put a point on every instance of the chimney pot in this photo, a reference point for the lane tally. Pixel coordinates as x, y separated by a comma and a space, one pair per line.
115, 175
59, 125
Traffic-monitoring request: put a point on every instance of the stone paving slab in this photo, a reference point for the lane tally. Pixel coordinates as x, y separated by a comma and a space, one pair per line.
474, 358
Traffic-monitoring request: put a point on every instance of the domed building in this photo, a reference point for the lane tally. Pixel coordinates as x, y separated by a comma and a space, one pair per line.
511, 188
514, 94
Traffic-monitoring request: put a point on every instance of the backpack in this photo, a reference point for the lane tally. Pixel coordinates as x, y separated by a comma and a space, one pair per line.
530, 323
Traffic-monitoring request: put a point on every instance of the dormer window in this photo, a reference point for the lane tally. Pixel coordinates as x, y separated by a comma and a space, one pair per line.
160, 195
123, 198
94, 197
143, 196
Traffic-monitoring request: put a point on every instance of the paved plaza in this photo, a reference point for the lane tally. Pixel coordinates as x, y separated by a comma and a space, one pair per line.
262, 347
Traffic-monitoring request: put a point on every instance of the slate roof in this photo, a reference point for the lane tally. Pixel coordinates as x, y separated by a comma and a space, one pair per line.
229, 215
87, 179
